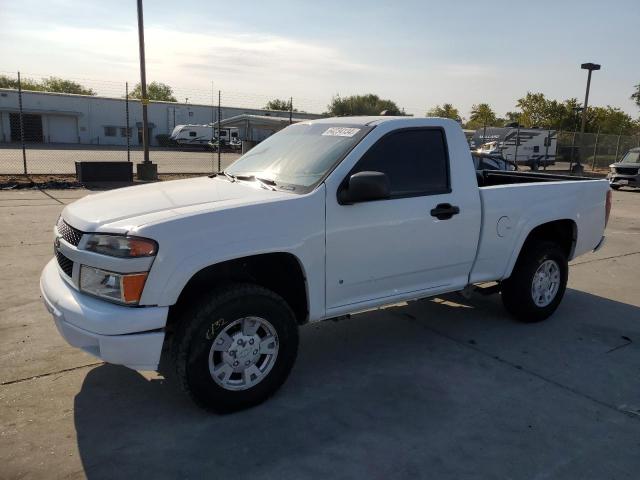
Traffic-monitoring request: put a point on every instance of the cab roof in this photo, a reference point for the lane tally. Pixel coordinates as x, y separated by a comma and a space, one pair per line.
373, 120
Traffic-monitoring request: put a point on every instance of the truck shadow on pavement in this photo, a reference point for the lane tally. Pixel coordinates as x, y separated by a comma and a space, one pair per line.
449, 386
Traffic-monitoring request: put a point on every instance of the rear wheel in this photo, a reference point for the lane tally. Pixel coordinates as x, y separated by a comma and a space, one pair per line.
615, 187
236, 348
538, 282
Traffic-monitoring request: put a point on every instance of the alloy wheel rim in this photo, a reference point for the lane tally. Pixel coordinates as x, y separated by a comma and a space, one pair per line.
243, 353
546, 283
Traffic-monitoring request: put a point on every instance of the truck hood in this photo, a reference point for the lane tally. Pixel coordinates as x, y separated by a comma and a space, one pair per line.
126, 209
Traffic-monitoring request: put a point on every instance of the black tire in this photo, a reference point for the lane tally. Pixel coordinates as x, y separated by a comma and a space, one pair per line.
615, 187
199, 327
517, 295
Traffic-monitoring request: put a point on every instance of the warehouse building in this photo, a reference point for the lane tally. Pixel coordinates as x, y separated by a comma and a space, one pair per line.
79, 119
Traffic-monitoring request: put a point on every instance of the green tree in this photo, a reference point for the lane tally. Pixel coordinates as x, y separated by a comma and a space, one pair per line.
534, 110
60, 85
447, 110
538, 111
27, 83
609, 120
511, 117
157, 91
279, 104
481, 114
369, 104
51, 84
635, 96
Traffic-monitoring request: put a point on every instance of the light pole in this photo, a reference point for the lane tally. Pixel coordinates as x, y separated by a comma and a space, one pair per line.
590, 67
146, 170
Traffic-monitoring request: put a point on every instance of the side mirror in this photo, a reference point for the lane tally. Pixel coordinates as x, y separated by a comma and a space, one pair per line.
365, 187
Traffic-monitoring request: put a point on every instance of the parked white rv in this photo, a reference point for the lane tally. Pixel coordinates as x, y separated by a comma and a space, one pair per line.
533, 147
204, 135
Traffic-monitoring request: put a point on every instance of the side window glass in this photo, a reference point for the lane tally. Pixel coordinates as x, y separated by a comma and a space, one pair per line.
415, 161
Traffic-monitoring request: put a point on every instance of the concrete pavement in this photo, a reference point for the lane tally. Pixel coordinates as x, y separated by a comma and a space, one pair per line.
62, 160
440, 388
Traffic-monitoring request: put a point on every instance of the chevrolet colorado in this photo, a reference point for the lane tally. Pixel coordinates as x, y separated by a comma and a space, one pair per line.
323, 219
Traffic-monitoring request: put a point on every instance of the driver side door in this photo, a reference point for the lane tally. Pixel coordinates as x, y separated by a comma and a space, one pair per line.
378, 250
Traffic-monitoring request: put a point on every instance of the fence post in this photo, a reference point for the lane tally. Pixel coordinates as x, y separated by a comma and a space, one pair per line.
595, 151
213, 127
128, 132
24, 150
618, 145
515, 156
546, 150
573, 147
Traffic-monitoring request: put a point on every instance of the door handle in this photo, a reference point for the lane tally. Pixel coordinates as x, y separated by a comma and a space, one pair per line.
444, 211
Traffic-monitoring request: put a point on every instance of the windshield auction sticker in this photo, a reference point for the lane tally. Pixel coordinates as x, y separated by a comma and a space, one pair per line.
341, 132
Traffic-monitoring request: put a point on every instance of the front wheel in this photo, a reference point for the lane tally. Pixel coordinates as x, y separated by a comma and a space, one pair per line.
236, 348
537, 283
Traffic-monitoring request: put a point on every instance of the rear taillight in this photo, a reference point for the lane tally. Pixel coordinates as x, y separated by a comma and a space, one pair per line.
607, 208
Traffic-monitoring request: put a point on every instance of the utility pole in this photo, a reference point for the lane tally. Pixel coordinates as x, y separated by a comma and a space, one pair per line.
126, 89
213, 126
146, 169
590, 67
219, 143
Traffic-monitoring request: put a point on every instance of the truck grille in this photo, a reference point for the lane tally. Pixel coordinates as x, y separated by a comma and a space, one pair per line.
70, 234
65, 264
627, 170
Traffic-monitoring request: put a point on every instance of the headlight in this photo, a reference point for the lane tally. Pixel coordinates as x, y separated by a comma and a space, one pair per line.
119, 287
121, 246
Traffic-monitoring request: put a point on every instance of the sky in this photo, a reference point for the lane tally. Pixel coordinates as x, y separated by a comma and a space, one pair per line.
416, 53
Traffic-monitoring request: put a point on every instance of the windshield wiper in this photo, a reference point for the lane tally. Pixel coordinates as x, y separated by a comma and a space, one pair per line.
270, 184
229, 176
264, 182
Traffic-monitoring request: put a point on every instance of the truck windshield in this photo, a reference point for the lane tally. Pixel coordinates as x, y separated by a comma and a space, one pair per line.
631, 157
299, 156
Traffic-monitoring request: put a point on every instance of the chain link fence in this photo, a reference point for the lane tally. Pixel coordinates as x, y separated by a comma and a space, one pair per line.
47, 133
595, 151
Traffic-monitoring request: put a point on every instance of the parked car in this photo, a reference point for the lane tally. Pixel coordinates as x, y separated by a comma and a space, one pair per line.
323, 219
625, 172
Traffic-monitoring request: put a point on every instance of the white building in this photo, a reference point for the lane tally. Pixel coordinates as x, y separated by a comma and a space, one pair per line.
65, 118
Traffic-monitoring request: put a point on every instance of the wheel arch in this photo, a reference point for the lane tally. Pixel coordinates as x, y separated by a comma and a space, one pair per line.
562, 231
281, 272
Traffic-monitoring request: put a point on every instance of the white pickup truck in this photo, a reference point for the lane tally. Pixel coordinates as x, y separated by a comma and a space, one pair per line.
323, 219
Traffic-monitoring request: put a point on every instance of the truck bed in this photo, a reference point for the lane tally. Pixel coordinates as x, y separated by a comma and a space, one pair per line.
514, 202
487, 178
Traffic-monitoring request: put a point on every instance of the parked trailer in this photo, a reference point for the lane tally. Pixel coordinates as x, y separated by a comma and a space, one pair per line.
533, 147
203, 135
